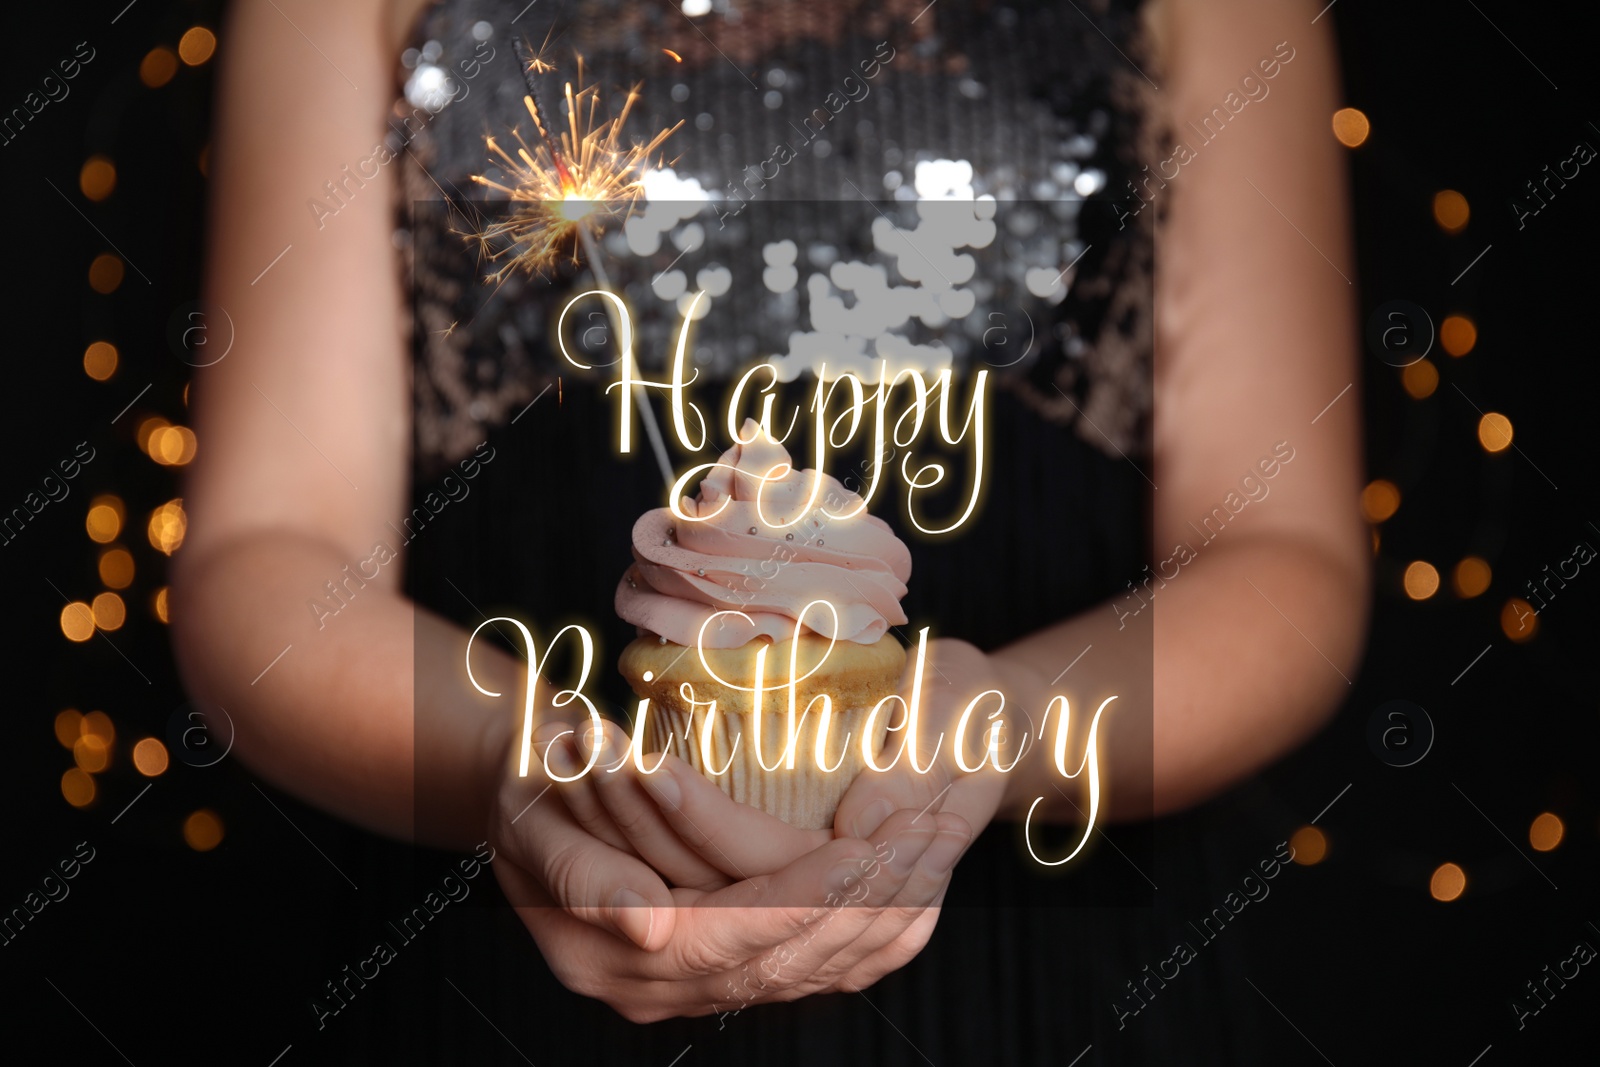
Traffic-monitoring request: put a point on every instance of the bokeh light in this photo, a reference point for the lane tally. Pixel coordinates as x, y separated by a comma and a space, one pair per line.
150, 757
69, 727
1457, 335
1420, 379
100, 360
1350, 126
1546, 832
1471, 577
77, 787
1450, 210
116, 567
91, 753
158, 67
77, 621
158, 604
196, 45
1421, 580
202, 830
1448, 882
1518, 620
104, 521
98, 724
1494, 432
1310, 846
168, 524
170, 446
147, 429
97, 178
1379, 500
105, 273
109, 611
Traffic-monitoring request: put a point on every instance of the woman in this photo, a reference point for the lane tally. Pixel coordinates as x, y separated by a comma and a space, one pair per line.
308, 423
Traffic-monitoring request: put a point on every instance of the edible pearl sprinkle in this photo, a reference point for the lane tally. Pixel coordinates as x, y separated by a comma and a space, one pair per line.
752, 529
819, 542
663, 640
788, 537
701, 572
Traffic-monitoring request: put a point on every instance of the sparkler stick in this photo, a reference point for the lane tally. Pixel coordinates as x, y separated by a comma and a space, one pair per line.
566, 185
647, 415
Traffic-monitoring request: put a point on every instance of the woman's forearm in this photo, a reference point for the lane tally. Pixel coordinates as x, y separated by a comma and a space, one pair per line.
1235, 661
366, 713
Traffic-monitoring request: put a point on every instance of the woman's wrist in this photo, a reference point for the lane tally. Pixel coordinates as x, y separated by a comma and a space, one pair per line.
1027, 694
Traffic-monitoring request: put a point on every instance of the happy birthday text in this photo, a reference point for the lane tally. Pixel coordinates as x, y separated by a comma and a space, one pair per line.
908, 724
841, 404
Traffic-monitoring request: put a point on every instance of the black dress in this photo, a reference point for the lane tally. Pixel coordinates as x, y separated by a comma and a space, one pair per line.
1035, 109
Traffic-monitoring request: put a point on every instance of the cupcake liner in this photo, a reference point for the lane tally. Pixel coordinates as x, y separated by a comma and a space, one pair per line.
804, 796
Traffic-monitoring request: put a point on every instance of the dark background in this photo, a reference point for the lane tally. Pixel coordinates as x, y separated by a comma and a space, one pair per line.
174, 955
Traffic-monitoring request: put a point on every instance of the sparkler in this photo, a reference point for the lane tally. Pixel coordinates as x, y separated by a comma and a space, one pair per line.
568, 180
566, 186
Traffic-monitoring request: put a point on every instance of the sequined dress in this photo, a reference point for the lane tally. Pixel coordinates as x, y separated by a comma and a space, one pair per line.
807, 132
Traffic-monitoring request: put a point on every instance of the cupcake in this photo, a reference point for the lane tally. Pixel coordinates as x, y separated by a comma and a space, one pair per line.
709, 596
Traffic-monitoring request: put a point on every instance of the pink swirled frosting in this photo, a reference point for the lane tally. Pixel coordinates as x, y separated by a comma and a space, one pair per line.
745, 553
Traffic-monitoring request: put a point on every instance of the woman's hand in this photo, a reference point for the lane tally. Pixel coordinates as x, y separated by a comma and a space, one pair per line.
826, 922
810, 913
955, 673
673, 817
596, 882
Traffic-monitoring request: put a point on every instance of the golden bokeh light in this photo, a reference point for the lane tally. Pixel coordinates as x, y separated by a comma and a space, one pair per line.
147, 429
202, 831
1518, 620
69, 727
1457, 335
1448, 882
98, 177
77, 621
168, 524
116, 567
1450, 210
105, 273
204, 161
1420, 379
1546, 832
170, 446
1421, 580
98, 724
158, 67
158, 604
150, 757
77, 787
1471, 577
109, 611
1310, 846
91, 753
1379, 500
100, 360
196, 45
1350, 126
103, 523
1494, 432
